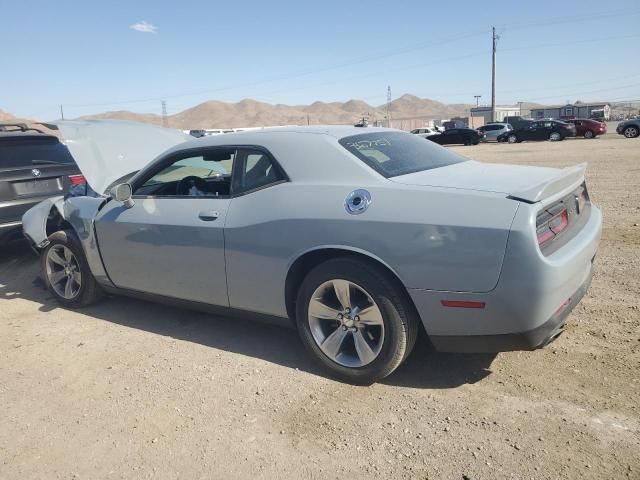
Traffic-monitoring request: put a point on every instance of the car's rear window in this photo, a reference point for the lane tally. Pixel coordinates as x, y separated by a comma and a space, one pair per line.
17, 152
396, 153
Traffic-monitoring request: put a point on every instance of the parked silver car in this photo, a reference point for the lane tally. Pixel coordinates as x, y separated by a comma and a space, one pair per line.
357, 238
492, 130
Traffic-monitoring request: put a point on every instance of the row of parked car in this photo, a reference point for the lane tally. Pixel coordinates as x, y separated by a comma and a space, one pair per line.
527, 130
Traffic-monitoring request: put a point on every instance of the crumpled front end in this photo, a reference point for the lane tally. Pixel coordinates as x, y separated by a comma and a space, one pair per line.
76, 214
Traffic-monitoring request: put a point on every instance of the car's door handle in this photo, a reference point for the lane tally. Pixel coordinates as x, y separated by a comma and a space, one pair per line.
208, 216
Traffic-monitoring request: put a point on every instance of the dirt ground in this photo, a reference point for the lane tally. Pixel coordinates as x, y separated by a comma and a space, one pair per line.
129, 389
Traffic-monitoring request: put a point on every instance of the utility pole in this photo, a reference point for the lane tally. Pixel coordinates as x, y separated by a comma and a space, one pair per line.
477, 97
61, 112
165, 120
494, 39
389, 106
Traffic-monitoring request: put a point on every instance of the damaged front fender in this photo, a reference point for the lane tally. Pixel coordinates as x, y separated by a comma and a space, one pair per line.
79, 213
34, 221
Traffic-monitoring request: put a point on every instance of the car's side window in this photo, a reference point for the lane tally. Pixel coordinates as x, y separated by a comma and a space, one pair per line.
257, 170
205, 173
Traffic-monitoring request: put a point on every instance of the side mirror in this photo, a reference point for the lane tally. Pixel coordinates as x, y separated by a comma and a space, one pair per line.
122, 193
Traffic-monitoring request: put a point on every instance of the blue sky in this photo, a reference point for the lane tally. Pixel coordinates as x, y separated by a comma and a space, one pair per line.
86, 55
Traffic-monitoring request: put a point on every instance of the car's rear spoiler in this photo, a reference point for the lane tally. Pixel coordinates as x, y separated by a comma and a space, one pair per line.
567, 177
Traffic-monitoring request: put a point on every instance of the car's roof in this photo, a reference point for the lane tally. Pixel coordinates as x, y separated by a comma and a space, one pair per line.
336, 131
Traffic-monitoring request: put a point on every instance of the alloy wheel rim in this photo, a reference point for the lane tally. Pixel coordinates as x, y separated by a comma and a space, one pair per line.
63, 272
555, 136
630, 132
512, 139
346, 323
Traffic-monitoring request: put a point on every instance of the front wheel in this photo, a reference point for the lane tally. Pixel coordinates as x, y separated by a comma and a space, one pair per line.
355, 320
588, 134
512, 139
66, 271
555, 137
631, 132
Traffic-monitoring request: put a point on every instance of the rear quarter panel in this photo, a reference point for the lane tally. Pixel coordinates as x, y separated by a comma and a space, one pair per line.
432, 238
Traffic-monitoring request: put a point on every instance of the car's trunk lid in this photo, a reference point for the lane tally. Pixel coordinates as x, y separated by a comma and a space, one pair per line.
530, 184
108, 150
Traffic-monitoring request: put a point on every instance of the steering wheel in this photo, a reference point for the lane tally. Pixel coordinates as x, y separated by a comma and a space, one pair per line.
185, 185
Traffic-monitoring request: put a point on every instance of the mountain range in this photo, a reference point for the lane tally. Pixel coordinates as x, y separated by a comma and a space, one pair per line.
407, 111
252, 113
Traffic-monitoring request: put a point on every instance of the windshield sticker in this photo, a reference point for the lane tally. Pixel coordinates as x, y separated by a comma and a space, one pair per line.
368, 144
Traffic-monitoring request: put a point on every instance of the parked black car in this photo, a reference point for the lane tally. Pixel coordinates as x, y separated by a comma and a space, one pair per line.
540, 130
629, 128
33, 166
465, 136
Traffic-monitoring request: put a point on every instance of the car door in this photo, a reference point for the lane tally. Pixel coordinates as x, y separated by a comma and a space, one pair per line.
171, 241
533, 131
451, 136
580, 126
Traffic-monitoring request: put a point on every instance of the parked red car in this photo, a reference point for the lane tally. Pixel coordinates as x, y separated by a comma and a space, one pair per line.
587, 128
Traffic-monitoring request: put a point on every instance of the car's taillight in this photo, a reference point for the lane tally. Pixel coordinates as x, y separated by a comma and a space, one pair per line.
76, 179
582, 200
548, 229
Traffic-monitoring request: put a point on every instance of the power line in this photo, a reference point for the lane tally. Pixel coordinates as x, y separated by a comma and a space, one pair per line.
387, 54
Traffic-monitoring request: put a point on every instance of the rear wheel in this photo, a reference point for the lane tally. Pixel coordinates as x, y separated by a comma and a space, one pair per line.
589, 134
555, 136
66, 271
355, 321
631, 132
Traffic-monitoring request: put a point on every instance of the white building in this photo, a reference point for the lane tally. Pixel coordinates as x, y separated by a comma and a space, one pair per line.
482, 115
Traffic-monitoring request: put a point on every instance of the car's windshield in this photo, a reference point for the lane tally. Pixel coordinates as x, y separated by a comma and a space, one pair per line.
397, 153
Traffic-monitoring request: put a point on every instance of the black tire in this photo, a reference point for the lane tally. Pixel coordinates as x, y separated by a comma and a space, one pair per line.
589, 134
89, 291
401, 323
631, 132
476, 142
555, 137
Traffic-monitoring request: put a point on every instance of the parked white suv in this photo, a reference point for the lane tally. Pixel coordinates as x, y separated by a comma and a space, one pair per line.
425, 131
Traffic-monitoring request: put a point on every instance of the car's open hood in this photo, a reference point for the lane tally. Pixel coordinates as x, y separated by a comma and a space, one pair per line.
531, 184
107, 150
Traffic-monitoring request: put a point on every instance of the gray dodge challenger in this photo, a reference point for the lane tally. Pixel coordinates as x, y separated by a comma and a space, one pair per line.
357, 237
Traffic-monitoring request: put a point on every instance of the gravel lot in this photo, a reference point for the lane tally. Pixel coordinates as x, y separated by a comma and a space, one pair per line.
129, 389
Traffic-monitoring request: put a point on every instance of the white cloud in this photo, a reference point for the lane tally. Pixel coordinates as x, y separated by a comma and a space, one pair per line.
144, 27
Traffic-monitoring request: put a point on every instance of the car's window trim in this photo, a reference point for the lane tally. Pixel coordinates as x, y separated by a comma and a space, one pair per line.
157, 166
147, 173
238, 168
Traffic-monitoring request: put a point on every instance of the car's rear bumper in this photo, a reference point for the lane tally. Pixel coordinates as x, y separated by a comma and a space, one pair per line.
528, 306
537, 337
10, 231
11, 211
